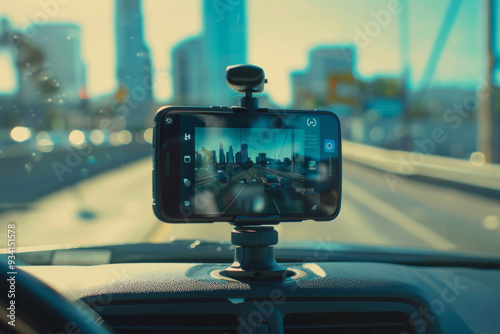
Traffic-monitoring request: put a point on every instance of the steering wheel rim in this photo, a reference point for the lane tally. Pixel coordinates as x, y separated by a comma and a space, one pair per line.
40, 308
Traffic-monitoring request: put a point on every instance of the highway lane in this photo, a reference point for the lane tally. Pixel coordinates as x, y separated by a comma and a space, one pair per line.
25, 178
245, 192
112, 207
115, 207
427, 211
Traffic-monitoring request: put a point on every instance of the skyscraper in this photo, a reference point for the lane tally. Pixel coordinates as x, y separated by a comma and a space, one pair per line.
199, 63
133, 69
50, 74
244, 152
230, 157
60, 46
222, 158
224, 44
188, 74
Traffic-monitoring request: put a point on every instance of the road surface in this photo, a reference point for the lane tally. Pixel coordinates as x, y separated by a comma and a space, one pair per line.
26, 177
245, 192
115, 207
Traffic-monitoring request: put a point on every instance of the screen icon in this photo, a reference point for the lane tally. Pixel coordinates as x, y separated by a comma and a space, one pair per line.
329, 145
187, 203
187, 159
312, 165
311, 122
187, 183
168, 120
187, 136
314, 208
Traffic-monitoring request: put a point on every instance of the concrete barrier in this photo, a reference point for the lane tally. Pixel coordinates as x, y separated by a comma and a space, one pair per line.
416, 164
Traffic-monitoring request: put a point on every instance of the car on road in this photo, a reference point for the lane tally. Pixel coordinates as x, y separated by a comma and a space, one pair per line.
271, 182
222, 176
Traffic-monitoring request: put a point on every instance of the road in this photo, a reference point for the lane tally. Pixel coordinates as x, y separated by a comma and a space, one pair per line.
26, 177
243, 192
115, 207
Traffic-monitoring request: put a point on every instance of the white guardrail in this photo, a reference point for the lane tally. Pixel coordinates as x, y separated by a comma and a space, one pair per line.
404, 164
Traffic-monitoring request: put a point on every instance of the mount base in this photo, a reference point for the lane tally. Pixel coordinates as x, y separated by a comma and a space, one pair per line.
254, 257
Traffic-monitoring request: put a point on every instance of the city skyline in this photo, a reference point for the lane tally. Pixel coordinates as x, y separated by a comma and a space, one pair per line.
275, 144
211, 156
374, 58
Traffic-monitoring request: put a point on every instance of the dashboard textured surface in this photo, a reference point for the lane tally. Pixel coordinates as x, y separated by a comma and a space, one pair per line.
450, 300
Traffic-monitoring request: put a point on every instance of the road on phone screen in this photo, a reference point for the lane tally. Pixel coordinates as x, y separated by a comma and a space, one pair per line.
115, 207
245, 191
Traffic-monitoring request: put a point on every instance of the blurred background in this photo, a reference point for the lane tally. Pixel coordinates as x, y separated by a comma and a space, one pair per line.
81, 80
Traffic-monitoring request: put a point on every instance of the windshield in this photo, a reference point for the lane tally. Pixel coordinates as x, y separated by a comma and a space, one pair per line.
414, 83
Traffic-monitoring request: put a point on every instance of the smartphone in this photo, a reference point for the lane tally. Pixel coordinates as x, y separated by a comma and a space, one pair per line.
214, 164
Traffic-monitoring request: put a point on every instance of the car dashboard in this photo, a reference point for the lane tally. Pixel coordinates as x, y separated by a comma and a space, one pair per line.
330, 297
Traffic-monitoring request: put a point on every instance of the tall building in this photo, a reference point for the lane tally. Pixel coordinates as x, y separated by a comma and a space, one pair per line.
198, 160
188, 73
328, 79
59, 48
230, 157
222, 157
224, 44
133, 62
199, 63
50, 74
262, 158
244, 152
214, 157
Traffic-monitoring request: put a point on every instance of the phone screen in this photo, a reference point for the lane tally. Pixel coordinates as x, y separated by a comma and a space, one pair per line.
214, 165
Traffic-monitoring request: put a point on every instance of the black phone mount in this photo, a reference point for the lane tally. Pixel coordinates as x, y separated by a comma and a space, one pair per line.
254, 255
246, 79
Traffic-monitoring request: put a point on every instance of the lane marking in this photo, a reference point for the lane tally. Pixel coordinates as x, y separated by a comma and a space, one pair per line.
398, 218
276, 205
238, 194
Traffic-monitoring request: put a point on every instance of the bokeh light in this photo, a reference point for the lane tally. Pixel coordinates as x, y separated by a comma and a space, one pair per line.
76, 138
20, 134
43, 142
477, 159
113, 139
124, 137
148, 135
96, 137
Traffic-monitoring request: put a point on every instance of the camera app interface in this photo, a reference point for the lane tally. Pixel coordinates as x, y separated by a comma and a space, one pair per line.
253, 167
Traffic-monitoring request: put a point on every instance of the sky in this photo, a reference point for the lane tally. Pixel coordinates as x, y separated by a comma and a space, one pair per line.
280, 37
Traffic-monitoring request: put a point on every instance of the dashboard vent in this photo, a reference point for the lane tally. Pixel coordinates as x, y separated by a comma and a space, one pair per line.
348, 323
173, 323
